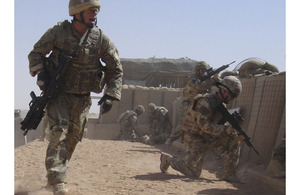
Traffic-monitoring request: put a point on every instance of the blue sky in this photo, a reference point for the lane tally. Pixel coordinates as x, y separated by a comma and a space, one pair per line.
216, 31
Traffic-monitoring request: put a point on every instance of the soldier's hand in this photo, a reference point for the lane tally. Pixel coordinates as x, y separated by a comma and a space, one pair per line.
237, 136
240, 138
106, 103
42, 79
216, 77
229, 130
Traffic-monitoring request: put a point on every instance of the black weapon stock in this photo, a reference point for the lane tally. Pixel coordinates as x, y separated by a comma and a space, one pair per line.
235, 124
37, 104
210, 72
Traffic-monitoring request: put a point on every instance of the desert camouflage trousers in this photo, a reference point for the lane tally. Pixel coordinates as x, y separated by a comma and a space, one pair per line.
197, 145
67, 115
177, 132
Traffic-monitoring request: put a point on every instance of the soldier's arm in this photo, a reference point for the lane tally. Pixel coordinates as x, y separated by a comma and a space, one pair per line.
113, 75
207, 84
204, 119
133, 121
43, 47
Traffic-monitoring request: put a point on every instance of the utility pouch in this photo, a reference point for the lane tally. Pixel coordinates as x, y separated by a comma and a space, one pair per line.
83, 55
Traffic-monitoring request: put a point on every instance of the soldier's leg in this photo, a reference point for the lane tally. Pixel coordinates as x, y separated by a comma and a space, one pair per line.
56, 156
231, 147
67, 117
232, 158
196, 147
195, 152
78, 118
176, 163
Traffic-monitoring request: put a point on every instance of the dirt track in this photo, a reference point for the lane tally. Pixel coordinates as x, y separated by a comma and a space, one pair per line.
120, 167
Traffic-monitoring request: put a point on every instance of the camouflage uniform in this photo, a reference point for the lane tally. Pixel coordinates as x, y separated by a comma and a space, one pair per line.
160, 124
129, 126
45, 128
202, 132
193, 86
277, 163
68, 111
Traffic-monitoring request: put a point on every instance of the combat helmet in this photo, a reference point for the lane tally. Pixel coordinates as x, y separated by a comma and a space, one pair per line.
152, 107
139, 109
78, 6
202, 65
231, 84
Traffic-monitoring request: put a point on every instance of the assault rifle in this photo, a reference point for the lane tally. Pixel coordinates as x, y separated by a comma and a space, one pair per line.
233, 119
210, 72
37, 104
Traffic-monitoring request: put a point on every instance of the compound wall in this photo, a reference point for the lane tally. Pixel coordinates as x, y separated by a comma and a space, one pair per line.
262, 103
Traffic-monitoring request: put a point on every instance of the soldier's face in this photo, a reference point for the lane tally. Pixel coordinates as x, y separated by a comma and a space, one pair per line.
228, 96
200, 72
90, 16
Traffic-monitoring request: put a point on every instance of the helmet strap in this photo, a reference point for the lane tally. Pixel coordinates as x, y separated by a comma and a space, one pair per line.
225, 99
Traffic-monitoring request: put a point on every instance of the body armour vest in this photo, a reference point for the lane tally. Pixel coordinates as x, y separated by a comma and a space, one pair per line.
84, 72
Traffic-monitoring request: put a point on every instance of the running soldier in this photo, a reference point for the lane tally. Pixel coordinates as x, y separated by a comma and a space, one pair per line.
81, 44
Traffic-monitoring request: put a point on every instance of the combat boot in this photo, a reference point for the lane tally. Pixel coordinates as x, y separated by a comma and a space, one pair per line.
59, 189
164, 162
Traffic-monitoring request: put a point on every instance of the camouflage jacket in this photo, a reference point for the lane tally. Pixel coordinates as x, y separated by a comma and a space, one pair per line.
160, 120
128, 121
84, 71
202, 116
194, 86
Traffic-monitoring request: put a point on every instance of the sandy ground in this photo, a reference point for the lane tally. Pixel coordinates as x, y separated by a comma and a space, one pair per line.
119, 167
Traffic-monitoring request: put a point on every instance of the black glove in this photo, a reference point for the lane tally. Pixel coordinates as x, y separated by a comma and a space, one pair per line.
42, 80
106, 103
